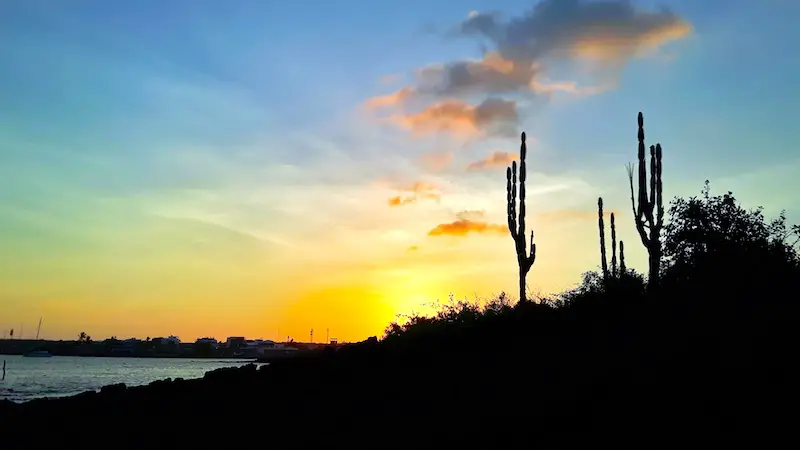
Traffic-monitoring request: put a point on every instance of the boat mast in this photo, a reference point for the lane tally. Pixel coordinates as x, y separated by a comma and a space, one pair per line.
39, 328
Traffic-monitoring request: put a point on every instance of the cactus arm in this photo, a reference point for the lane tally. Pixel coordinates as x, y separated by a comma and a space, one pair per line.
659, 189
512, 221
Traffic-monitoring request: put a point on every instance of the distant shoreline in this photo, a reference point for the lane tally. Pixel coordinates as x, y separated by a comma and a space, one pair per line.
239, 358
113, 348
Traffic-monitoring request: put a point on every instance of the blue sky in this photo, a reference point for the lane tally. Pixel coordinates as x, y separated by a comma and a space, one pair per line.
196, 136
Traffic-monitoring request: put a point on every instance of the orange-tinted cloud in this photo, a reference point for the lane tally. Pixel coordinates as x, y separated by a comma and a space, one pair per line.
399, 201
491, 117
521, 50
389, 100
496, 159
463, 227
437, 162
472, 214
420, 187
418, 191
493, 74
609, 30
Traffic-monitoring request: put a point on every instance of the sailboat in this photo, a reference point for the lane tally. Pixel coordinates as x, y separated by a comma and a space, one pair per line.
38, 353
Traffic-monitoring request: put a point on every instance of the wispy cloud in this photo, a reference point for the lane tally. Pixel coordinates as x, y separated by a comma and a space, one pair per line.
417, 191
388, 100
437, 161
498, 158
468, 222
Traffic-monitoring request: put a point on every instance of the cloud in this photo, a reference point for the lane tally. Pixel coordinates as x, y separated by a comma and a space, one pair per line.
608, 30
463, 227
493, 116
520, 54
391, 78
388, 100
493, 74
399, 201
420, 187
472, 214
418, 191
438, 161
496, 159
412, 248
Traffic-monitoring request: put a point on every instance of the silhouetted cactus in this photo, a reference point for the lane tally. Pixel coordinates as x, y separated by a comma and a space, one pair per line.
602, 229
622, 269
524, 259
613, 247
648, 211
603, 255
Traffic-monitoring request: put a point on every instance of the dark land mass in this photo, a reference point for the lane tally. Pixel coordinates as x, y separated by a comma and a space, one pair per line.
642, 373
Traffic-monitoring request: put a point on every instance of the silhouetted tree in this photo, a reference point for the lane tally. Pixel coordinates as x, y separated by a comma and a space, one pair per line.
525, 258
714, 241
84, 338
648, 210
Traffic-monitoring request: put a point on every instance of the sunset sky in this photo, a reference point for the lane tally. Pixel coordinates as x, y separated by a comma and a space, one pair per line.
262, 168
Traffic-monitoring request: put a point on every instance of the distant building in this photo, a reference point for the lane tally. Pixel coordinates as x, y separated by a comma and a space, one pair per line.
207, 341
164, 343
236, 342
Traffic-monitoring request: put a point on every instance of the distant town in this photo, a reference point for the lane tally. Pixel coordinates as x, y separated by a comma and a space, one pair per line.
163, 347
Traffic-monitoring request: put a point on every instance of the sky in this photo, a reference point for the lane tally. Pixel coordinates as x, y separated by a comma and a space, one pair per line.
264, 168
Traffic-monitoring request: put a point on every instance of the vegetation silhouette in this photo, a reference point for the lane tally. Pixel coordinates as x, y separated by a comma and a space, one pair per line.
704, 355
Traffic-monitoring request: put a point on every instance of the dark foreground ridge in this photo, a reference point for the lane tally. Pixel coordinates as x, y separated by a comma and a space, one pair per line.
639, 373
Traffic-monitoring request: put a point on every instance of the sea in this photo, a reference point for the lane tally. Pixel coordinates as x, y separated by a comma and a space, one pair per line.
59, 376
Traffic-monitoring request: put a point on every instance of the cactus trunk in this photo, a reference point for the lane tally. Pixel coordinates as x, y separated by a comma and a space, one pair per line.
613, 247
602, 228
622, 269
648, 211
525, 257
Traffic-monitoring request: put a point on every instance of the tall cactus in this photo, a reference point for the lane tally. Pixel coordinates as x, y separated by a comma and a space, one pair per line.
602, 229
524, 259
622, 269
613, 247
648, 210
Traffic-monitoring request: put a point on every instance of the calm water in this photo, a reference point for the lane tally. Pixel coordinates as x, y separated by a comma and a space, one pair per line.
28, 378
